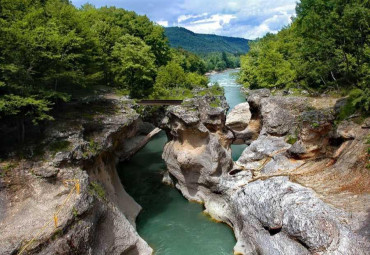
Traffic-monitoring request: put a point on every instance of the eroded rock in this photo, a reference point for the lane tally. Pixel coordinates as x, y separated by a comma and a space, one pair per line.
239, 117
95, 217
199, 150
257, 195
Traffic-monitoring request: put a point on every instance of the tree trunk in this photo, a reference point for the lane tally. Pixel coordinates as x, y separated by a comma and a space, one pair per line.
56, 84
347, 62
323, 80
21, 130
336, 83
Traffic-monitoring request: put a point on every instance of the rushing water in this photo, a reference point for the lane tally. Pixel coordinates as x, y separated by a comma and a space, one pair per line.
168, 222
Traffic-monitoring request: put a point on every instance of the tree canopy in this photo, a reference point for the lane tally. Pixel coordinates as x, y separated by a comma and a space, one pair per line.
50, 51
325, 48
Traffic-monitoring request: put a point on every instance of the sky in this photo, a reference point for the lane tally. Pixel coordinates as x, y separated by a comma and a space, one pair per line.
248, 19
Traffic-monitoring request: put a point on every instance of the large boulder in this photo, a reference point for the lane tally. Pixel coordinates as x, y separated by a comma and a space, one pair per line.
199, 148
277, 216
254, 97
239, 117
313, 134
279, 114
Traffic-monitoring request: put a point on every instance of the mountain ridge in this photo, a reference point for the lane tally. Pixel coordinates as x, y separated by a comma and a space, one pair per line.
205, 43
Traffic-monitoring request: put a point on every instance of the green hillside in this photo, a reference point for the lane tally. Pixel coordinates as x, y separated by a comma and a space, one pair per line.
205, 43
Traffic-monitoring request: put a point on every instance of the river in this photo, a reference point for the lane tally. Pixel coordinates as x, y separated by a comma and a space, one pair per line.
227, 80
168, 222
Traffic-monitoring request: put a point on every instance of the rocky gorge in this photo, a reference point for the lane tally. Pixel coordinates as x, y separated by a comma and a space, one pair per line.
301, 186
74, 180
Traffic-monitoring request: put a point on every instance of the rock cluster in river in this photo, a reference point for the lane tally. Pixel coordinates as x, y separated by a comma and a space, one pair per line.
199, 149
288, 193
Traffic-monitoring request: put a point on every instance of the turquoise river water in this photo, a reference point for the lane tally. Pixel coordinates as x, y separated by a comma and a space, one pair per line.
168, 222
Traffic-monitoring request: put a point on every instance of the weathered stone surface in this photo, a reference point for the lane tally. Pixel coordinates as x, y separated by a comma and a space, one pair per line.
239, 117
255, 155
257, 196
279, 114
254, 97
274, 214
100, 218
199, 150
46, 172
313, 134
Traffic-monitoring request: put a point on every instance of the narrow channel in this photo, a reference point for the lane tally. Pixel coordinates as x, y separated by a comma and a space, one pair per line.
227, 80
168, 222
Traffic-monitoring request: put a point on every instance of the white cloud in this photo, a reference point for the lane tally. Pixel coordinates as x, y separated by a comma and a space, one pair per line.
208, 25
183, 18
270, 25
242, 18
163, 23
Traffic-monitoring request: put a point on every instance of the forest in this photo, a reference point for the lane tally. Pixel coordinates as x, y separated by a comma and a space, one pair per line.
324, 50
52, 52
204, 43
218, 52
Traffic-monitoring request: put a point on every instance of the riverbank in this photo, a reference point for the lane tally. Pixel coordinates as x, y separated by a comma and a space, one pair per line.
213, 72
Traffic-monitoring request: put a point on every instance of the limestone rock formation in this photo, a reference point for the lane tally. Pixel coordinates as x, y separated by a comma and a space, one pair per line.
239, 117
75, 180
296, 186
199, 150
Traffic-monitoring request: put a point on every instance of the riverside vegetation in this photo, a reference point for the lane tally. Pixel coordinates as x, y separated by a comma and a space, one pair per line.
51, 53
325, 49
218, 52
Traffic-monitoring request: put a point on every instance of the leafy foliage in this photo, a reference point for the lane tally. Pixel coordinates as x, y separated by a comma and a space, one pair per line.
221, 60
52, 52
325, 48
133, 65
204, 43
174, 83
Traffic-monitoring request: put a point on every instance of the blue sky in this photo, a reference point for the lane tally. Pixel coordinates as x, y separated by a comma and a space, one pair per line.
239, 18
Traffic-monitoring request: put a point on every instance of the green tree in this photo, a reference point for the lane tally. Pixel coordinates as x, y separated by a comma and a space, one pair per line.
171, 76
325, 48
173, 82
133, 66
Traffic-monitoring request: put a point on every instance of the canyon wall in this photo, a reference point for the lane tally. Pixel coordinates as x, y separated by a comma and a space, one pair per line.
300, 187
73, 177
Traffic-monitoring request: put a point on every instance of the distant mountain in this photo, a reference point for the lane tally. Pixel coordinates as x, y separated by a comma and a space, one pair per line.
205, 43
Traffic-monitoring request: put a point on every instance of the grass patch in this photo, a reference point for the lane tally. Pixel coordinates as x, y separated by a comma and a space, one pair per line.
357, 102
215, 103
92, 148
315, 125
292, 139
6, 167
214, 90
97, 190
57, 234
60, 145
122, 92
